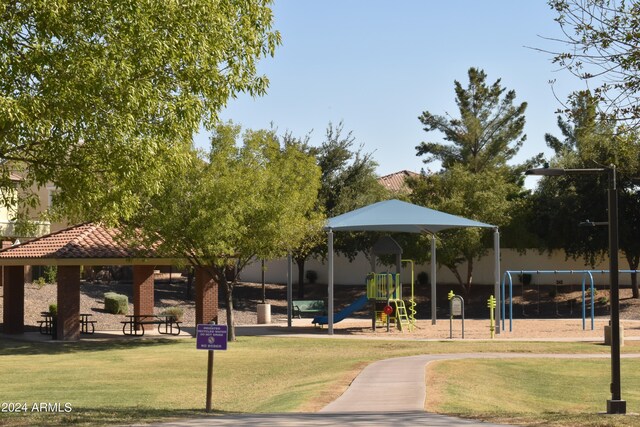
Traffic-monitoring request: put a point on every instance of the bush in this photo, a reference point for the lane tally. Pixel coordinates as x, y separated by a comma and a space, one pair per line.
311, 276
175, 312
40, 282
423, 278
116, 303
53, 309
51, 273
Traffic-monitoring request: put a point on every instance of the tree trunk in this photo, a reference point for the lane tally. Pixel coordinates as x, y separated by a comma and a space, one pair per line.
456, 273
228, 287
633, 265
300, 262
467, 286
264, 290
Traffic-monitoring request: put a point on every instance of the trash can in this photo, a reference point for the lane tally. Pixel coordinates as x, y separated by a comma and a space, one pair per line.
264, 314
607, 335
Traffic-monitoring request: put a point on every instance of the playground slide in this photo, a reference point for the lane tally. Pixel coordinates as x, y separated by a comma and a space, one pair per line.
342, 314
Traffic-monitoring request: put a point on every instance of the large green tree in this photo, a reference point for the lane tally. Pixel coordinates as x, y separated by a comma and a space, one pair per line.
488, 132
601, 39
484, 196
475, 180
589, 141
348, 181
243, 200
98, 96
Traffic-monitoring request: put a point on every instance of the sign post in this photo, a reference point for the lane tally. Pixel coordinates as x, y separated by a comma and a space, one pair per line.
211, 337
456, 308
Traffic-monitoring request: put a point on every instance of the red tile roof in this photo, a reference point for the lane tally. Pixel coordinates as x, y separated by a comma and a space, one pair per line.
397, 181
84, 241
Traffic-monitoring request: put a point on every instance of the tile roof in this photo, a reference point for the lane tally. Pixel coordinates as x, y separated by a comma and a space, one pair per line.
84, 241
397, 181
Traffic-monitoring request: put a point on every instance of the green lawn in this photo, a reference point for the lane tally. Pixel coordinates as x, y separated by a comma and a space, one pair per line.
553, 392
147, 380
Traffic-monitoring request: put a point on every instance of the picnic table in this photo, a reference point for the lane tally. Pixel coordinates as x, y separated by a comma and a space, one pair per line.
85, 323
46, 325
134, 325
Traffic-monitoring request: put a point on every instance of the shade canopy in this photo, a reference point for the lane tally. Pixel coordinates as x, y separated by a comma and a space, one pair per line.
403, 217
399, 216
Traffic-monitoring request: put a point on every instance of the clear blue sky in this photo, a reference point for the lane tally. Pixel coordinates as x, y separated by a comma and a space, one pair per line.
377, 65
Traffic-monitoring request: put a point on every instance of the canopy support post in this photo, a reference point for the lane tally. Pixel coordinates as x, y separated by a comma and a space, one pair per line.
330, 282
433, 279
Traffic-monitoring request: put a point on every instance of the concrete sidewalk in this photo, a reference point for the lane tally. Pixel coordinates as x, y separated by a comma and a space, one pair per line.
389, 392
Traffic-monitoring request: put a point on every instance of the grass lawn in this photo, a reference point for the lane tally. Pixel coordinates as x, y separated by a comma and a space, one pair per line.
149, 380
550, 392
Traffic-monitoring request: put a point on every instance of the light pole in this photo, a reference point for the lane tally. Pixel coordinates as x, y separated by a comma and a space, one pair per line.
615, 405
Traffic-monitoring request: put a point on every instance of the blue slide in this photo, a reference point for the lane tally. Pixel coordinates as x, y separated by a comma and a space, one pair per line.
342, 314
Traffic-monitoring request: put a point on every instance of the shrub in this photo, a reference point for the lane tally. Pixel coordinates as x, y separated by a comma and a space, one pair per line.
116, 303
53, 309
423, 278
40, 282
175, 312
51, 273
311, 276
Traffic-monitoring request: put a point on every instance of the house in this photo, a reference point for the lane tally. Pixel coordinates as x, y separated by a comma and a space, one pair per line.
397, 181
10, 211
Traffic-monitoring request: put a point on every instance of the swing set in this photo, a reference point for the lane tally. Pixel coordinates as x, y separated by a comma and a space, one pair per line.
586, 275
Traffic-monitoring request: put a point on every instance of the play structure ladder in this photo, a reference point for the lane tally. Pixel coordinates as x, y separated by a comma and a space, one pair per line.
401, 315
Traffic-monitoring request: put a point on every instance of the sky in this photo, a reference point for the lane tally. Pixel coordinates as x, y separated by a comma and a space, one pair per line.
376, 65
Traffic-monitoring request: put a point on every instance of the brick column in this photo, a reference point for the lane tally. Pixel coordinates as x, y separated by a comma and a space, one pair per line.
13, 300
206, 297
143, 298
68, 321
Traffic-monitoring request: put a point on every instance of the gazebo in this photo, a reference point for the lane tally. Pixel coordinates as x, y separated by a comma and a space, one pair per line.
403, 217
89, 245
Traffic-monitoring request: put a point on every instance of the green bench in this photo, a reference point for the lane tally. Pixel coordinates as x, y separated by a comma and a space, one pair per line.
301, 307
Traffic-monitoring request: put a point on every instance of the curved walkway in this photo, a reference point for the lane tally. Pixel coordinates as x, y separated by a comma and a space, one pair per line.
403, 380
362, 404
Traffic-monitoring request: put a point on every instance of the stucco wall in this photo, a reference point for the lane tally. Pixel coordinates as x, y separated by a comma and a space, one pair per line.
352, 273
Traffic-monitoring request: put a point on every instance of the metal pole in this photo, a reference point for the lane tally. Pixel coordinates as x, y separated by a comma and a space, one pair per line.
433, 279
209, 380
289, 289
616, 405
330, 283
496, 275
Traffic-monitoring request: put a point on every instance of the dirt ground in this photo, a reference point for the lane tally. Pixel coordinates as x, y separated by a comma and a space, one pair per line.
539, 312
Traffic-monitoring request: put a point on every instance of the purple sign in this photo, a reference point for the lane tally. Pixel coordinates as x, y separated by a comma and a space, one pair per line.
211, 337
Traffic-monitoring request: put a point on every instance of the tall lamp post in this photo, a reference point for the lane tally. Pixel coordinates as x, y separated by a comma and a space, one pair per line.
615, 405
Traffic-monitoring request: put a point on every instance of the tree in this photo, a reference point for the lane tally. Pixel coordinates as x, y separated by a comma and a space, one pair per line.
602, 38
476, 181
98, 97
348, 181
484, 196
590, 141
488, 132
242, 201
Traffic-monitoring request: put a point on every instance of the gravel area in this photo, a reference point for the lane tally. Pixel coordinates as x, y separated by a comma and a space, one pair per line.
167, 294
174, 292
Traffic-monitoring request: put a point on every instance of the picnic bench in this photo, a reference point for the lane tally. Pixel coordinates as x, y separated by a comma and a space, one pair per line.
46, 325
314, 307
85, 324
134, 325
